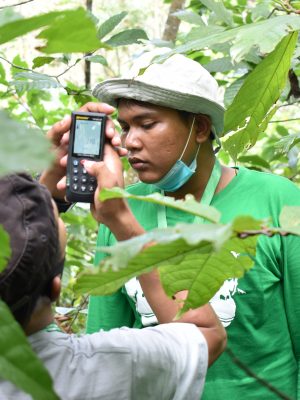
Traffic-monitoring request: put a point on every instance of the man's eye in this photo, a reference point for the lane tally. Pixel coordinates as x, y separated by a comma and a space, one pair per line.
148, 125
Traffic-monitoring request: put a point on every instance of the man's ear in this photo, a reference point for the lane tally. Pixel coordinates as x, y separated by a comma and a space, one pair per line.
203, 127
55, 288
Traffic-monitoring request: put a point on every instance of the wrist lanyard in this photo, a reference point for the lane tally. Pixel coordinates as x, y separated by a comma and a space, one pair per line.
205, 199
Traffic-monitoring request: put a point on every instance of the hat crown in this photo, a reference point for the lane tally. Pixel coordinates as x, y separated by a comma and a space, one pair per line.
178, 73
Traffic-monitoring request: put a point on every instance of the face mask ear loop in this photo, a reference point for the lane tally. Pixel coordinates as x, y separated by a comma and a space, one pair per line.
187, 142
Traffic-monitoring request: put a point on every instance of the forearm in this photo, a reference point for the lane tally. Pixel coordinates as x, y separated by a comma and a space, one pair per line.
166, 309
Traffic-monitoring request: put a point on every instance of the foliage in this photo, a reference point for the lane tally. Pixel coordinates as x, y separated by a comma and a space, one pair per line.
5, 248
252, 50
18, 363
197, 258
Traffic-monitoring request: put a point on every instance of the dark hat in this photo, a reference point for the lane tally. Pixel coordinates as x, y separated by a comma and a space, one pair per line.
26, 213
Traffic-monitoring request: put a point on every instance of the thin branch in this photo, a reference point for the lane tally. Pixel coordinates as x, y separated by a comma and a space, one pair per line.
284, 120
249, 372
289, 104
16, 66
17, 4
82, 304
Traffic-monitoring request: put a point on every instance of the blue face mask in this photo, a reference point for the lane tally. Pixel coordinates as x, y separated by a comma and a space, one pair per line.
180, 173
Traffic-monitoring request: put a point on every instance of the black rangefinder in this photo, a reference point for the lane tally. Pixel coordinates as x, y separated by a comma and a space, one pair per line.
87, 137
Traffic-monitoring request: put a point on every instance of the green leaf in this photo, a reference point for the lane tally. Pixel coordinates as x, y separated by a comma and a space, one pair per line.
254, 160
71, 32
18, 363
244, 223
22, 26
33, 80
97, 59
219, 9
188, 16
2, 75
110, 24
128, 259
232, 90
22, 148
189, 205
130, 36
251, 108
202, 272
289, 219
40, 61
263, 35
5, 250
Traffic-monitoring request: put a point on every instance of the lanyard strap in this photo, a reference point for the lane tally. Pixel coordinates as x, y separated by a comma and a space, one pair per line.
205, 199
51, 328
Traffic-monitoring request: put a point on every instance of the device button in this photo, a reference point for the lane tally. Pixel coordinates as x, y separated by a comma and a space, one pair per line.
91, 188
83, 188
84, 171
84, 179
75, 178
75, 163
75, 171
75, 186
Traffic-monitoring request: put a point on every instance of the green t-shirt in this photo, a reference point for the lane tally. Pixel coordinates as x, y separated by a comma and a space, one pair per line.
261, 311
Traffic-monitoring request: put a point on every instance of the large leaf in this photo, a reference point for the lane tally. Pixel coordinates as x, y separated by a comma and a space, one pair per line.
110, 24
130, 36
220, 11
40, 61
263, 35
202, 271
189, 205
250, 112
33, 80
5, 250
188, 16
128, 259
290, 219
22, 148
69, 31
18, 363
72, 32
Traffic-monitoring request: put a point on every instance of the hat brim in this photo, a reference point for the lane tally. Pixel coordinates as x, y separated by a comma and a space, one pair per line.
111, 90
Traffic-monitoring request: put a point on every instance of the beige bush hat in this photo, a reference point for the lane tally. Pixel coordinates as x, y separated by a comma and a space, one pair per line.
178, 82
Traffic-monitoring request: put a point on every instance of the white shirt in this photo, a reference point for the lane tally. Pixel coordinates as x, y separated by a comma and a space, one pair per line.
162, 362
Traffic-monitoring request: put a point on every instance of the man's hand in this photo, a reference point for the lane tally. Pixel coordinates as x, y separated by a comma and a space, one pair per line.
54, 177
115, 213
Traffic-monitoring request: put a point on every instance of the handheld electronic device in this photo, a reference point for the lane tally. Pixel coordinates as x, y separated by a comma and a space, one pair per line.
87, 136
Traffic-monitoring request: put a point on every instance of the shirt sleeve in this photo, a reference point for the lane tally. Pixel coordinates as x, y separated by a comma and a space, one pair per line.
170, 362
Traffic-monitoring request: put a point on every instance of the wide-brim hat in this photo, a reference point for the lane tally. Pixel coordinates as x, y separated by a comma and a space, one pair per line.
178, 82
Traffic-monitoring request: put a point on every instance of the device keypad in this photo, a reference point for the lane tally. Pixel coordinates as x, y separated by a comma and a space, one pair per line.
79, 179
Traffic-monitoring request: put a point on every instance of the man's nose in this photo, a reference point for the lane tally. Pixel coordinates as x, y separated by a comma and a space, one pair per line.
132, 139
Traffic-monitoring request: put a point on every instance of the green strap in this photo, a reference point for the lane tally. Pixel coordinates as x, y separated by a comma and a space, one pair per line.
205, 199
51, 328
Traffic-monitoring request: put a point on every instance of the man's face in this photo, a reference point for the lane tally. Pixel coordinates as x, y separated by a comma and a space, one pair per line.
155, 137
62, 234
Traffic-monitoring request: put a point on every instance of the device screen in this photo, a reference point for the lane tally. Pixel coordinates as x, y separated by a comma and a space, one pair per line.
87, 136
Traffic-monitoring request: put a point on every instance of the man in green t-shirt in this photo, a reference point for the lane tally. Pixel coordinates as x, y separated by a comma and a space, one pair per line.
169, 116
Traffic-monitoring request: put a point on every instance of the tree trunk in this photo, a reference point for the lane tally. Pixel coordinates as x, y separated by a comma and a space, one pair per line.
87, 64
172, 23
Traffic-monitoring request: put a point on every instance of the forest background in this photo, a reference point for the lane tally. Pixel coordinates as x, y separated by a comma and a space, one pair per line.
53, 53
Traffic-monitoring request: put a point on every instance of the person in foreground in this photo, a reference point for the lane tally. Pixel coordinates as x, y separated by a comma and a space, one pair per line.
169, 115
164, 362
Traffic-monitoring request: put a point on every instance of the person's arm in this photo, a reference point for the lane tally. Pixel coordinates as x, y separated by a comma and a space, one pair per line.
117, 215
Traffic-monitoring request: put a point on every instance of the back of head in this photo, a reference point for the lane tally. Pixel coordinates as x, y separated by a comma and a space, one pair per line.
26, 213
